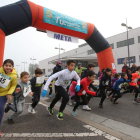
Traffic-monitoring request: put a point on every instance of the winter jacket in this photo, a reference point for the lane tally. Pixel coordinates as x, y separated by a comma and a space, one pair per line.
57, 68
12, 84
124, 68
105, 82
79, 70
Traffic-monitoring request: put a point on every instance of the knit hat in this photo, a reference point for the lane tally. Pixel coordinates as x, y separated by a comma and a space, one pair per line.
114, 72
79, 64
108, 69
59, 62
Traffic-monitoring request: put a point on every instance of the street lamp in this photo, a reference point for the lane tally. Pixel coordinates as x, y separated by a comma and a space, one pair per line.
32, 64
127, 27
24, 65
59, 50
17, 68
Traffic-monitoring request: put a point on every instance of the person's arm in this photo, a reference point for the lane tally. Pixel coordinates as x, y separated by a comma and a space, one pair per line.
12, 86
83, 68
92, 86
44, 82
85, 86
33, 82
51, 78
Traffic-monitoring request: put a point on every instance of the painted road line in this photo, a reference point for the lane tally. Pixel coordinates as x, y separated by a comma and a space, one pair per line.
101, 133
42, 135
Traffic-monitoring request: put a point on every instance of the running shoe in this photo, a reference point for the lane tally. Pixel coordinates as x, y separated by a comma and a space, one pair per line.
50, 111
74, 113
10, 121
100, 105
115, 102
60, 116
7, 108
50, 95
30, 109
33, 111
111, 99
86, 107
136, 101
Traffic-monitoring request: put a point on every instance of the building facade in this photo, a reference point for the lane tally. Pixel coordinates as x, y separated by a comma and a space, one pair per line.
119, 48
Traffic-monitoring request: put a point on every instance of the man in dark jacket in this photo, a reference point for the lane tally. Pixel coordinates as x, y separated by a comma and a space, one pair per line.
58, 67
125, 67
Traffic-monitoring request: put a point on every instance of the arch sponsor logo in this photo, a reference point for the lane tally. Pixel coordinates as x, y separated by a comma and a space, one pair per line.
64, 21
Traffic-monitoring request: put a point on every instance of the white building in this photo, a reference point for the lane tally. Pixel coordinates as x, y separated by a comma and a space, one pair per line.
84, 53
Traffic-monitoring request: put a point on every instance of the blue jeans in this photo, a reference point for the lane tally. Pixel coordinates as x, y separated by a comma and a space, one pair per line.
2, 104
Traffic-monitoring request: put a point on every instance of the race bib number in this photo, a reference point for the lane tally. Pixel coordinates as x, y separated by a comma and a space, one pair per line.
27, 90
84, 92
107, 83
40, 80
66, 82
4, 80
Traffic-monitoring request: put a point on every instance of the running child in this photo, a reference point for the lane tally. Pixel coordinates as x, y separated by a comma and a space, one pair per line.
8, 83
83, 91
36, 85
117, 87
22, 90
64, 79
105, 83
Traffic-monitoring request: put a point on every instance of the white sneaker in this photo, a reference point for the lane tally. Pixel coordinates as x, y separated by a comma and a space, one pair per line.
30, 109
33, 111
85, 107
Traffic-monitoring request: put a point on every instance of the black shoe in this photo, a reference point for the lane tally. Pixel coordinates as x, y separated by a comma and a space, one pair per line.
100, 105
7, 108
10, 121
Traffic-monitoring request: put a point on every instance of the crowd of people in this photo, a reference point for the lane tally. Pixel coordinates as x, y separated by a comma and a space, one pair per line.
73, 85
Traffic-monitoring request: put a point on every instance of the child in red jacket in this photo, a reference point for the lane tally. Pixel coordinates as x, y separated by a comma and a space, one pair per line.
83, 90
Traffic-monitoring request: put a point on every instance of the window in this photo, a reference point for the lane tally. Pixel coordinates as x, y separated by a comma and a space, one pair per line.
49, 70
43, 71
49, 62
124, 43
126, 60
138, 39
112, 45
90, 51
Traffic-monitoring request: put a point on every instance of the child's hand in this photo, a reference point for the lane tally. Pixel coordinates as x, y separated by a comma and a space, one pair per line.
9, 97
31, 93
17, 90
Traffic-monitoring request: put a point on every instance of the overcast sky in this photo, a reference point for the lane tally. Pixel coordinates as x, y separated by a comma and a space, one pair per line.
106, 15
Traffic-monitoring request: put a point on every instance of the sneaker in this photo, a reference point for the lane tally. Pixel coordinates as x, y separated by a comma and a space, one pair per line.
100, 105
60, 116
85, 107
74, 113
50, 95
7, 108
30, 109
10, 121
115, 102
111, 99
136, 101
33, 111
50, 110
70, 103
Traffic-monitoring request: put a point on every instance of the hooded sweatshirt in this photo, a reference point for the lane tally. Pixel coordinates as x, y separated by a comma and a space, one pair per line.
12, 84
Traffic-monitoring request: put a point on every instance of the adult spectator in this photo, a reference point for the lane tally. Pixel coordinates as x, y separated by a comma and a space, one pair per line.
58, 67
79, 68
125, 67
133, 67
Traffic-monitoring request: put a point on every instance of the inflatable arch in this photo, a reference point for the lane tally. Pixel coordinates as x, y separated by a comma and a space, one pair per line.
22, 14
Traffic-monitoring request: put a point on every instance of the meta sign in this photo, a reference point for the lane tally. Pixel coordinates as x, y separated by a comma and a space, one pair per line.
62, 37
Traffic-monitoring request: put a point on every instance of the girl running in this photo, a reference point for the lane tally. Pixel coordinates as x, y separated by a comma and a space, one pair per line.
8, 82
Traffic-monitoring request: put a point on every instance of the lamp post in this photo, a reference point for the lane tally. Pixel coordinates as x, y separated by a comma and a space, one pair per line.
127, 27
17, 68
32, 64
24, 65
59, 50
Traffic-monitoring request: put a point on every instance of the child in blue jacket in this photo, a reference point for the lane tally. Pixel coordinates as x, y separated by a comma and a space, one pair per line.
117, 87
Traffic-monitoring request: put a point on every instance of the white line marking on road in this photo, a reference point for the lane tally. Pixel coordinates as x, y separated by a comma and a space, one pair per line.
101, 133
